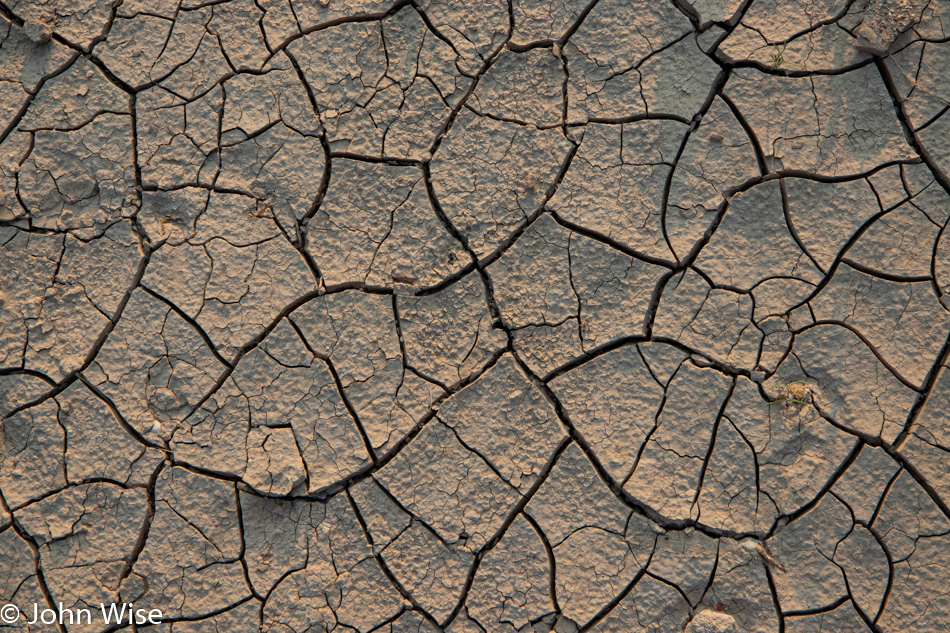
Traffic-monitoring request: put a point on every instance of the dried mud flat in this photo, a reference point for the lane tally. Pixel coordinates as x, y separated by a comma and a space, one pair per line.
614, 316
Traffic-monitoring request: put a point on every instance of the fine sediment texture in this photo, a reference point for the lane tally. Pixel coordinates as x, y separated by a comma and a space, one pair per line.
619, 316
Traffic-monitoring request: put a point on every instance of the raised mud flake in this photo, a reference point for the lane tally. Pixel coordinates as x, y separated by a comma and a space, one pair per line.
714, 321
942, 266
677, 80
613, 401
357, 333
825, 46
256, 101
270, 142
908, 515
599, 544
450, 487
19, 390
835, 125
178, 120
58, 349
187, 30
902, 321
85, 536
411, 622
193, 543
218, 437
718, 158
919, 77
741, 588
542, 319
666, 474
490, 176
24, 67
615, 183
522, 87
242, 269
341, 581
38, 32
450, 335
104, 267
755, 249
788, 17
915, 531
595, 295
712, 622
390, 92
536, 20
193, 62
508, 421
511, 586
379, 236
385, 519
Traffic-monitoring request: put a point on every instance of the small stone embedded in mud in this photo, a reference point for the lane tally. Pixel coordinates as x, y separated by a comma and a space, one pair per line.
712, 622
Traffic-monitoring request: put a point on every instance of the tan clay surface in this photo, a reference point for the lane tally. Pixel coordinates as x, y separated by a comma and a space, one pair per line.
476, 316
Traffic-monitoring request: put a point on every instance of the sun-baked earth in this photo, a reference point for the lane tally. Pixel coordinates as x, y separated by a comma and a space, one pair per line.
619, 316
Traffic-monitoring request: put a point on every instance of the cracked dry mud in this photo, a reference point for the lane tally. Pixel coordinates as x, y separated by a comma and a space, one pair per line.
471, 316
